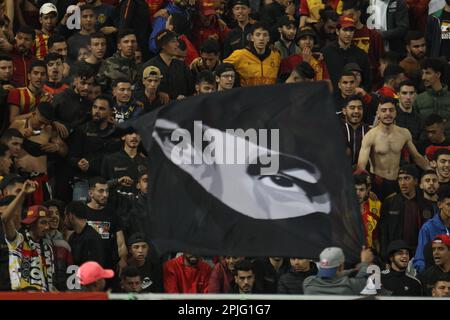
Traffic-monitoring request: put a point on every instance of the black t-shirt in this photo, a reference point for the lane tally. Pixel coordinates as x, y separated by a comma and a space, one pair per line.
106, 222
151, 275
445, 34
87, 246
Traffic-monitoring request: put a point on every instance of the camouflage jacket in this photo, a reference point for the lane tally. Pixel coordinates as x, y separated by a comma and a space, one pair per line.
116, 67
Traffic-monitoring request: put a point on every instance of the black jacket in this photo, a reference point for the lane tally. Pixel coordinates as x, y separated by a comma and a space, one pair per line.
236, 39
336, 58
71, 109
400, 283
397, 25
266, 275
292, 282
411, 121
87, 246
429, 277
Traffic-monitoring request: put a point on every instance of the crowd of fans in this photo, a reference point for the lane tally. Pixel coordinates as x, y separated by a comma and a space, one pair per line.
74, 189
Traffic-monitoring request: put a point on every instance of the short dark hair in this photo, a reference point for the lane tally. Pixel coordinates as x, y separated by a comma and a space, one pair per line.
360, 179
84, 72
224, 67
106, 98
440, 152
76, 208
87, 7
436, 64
328, 13
210, 46
426, 172
206, 76
26, 30
413, 35
390, 57
4, 57
347, 74
37, 63
9, 134
443, 192
384, 99
351, 4
433, 118
96, 180
244, 265
53, 56
392, 71
354, 97
97, 35
55, 203
115, 82
259, 25
407, 83
123, 33
130, 272
56, 38
444, 277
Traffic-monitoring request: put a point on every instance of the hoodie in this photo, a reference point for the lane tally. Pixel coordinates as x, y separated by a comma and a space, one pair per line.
429, 230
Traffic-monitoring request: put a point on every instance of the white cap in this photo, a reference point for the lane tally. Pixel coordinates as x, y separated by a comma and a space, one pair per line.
47, 8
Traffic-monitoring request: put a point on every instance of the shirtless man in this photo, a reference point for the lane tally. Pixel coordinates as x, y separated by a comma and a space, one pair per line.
383, 146
40, 139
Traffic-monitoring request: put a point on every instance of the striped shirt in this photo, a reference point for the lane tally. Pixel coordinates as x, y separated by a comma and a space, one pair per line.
24, 99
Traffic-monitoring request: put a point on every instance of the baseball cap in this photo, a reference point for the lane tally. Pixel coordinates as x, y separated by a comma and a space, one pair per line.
305, 31
164, 36
241, 2
409, 169
207, 7
34, 213
91, 271
352, 66
10, 179
346, 22
47, 8
136, 237
286, 21
330, 259
442, 238
151, 71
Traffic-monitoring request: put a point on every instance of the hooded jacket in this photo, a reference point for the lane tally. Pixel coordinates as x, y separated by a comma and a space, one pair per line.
429, 230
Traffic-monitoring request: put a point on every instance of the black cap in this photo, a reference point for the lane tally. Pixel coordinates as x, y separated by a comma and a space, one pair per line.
241, 2
286, 21
10, 179
352, 66
136, 237
47, 111
224, 67
306, 31
409, 169
164, 36
397, 245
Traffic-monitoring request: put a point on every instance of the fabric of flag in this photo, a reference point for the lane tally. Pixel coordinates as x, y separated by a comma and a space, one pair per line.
201, 205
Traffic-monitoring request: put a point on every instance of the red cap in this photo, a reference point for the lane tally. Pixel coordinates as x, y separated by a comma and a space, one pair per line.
346, 22
442, 238
207, 7
91, 271
34, 213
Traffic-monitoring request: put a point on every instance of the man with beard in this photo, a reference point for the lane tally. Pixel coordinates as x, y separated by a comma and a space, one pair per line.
439, 224
416, 47
354, 127
48, 18
292, 282
429, 184
13, 138
22, 55
103, 218
401, 216
441, 286
244, 278
89, 144
436, 93
55, 69
435, 138
268, 271
441, 256
23, 101
222, 276
441, 163
287, 27
396, 279
187, 273
343, 51
383, 145
407, 116
370, 211
257, 64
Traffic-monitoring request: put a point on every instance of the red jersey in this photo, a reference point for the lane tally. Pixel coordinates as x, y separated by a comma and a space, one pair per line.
181, 278
24, 99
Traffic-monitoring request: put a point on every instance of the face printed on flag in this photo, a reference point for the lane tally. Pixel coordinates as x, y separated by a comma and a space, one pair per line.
289, 191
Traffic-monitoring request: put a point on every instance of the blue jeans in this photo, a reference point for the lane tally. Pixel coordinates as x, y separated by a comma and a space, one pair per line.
80, 190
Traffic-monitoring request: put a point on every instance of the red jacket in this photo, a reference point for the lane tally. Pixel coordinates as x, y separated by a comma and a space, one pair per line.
221, 278
21, 64
181, 278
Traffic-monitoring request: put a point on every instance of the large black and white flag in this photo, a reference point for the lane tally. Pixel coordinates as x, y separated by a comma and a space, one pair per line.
257, 171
